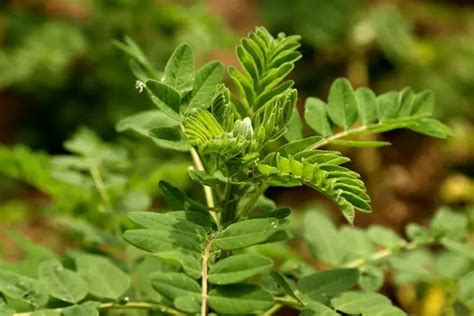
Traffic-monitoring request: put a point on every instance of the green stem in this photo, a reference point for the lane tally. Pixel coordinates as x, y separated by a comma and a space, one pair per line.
272, 310
380, 255
281, 302
230, 204
360, 129
104, 195
204, 275
99, 184
342, 134
253, 199
207, 190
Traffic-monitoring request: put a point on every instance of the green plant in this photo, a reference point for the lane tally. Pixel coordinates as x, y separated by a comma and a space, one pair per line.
227, 255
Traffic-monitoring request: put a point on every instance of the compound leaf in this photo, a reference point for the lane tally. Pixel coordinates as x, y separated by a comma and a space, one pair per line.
179, 70
174, 284
342, 104
103, 277
247, 233
356, 302
323, 285
62, 283
205, 85
315, 114
323, 239
317, 309
367, 105
165, 98
383, 310
85, 309
466, 288
142, 122
169, 138
240, 299
238, 268
385, 237
23, 288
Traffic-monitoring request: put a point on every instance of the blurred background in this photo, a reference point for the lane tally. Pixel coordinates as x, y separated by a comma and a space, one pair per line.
64, 84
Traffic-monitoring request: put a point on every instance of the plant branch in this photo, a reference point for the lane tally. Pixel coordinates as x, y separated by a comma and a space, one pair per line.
288, 301
204, 275
342, 134
281, 302
104, 195
272, 310
370, 127
207, 190
380, 255
228, 210
99, 183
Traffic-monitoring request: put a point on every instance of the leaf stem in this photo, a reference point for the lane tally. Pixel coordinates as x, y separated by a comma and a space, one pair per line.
104, 195
228, 209
99, 183
288, 301
342, 134
204, 275
380, 255
254, 198
207, 190
281, 302
272, 310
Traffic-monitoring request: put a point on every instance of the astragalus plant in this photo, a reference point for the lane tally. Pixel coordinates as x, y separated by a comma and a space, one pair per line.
198, 257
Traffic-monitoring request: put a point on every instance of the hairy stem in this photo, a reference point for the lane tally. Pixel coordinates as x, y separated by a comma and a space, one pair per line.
204, 275
207, 190
380, 255
342, 134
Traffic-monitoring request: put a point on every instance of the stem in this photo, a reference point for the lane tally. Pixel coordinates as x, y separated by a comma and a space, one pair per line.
342, 134
272, 310
229, 206
251, 202
281, 302
288, 301
204, 275
129, 305
207, 190
380, 255
99, 183
104, 195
